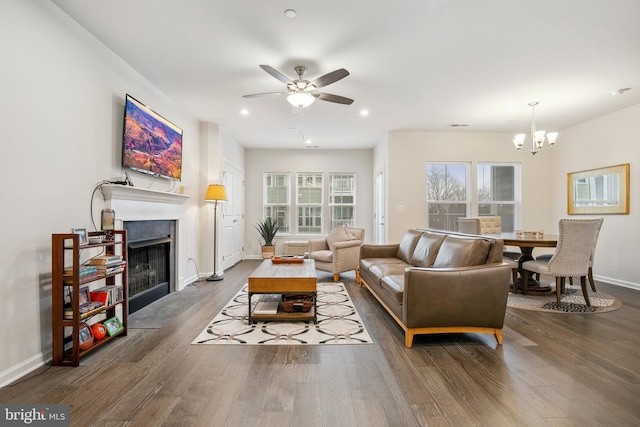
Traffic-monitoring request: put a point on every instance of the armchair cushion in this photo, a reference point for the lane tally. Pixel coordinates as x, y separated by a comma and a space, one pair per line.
338, 234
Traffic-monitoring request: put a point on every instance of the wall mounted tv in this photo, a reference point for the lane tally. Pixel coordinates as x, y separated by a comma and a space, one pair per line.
151, 144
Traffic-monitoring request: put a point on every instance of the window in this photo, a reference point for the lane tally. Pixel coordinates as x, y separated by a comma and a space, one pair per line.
499, 193
310, 202
447, 194
277, 198
310, 212
342, 199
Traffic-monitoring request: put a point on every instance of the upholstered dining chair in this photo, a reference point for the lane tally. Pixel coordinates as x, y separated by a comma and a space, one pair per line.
547, 257
576, 240
338, 252
491, 225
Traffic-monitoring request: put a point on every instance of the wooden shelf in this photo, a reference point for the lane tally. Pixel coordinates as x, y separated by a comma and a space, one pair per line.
66, 250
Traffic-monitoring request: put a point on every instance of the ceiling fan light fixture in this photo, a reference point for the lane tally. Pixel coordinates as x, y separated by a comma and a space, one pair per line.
300, 99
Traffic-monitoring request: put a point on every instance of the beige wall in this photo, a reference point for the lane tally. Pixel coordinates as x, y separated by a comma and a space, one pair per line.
604, 141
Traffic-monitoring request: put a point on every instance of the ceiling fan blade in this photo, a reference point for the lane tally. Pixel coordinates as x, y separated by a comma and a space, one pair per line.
329, 78
277, 74
256, 95
333, 98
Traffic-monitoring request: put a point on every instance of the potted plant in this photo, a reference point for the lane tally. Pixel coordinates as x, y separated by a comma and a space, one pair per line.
268, 228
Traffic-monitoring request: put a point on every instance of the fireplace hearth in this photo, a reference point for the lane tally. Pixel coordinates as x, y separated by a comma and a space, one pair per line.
151, 261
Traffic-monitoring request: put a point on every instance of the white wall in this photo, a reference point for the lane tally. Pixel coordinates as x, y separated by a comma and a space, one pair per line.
409, 153
259, 161
604, 141
61, 112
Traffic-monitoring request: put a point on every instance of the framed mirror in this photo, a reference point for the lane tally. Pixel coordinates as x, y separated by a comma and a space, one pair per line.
599, 191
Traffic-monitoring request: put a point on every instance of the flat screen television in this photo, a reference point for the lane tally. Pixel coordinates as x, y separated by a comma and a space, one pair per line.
151, 144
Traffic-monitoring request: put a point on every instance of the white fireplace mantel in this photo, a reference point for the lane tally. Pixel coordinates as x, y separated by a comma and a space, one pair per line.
134, 203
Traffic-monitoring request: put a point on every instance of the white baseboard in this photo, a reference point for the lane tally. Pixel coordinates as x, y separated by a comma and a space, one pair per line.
617, 282
20, 370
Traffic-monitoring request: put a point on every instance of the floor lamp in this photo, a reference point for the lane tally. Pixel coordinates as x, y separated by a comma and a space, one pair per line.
215, 193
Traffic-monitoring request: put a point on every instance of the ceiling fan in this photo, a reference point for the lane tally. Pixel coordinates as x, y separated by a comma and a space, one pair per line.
301, 92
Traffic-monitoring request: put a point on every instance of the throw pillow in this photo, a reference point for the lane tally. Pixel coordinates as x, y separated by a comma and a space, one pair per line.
338, 234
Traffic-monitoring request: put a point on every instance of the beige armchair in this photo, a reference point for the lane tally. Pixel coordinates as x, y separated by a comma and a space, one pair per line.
338, 252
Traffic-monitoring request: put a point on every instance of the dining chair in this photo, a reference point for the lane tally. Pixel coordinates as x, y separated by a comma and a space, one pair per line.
576, 242
547, 257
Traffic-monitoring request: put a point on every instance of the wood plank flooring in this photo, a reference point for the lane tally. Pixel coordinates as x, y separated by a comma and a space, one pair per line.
553, 370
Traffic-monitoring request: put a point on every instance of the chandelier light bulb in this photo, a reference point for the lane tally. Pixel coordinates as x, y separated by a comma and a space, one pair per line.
537, 136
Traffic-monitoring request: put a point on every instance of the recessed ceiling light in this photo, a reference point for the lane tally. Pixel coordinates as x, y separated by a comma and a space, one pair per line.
308, 141
244, 112
619, 91
364, 113
290, 13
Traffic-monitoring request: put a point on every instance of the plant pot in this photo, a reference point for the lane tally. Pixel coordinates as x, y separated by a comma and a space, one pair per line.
268, 252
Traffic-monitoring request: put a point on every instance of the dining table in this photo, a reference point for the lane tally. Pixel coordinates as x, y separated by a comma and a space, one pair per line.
527, 242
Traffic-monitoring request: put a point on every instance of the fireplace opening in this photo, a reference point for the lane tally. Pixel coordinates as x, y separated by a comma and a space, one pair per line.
150, 261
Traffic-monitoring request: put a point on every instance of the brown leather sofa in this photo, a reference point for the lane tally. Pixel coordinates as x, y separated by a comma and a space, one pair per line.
439, 282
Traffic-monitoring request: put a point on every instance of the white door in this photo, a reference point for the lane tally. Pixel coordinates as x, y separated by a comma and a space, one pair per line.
378, 208
233, 216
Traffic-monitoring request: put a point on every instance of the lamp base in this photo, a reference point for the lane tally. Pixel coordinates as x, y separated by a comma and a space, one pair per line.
214, 277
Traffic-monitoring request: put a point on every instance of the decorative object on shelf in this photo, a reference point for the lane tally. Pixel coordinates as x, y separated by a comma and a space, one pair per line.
268, 228
85, 336
113, 326
99, 331
82, 235
215, 193
107, 223
537, 136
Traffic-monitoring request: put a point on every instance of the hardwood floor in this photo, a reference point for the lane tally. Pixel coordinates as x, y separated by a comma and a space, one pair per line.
553, 370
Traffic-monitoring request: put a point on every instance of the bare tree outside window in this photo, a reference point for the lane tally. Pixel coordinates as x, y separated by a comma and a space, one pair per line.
447, 194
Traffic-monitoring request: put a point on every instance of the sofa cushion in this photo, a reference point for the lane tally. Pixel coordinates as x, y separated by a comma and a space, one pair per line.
338, 234
426, 249
408, 244
458, 251
388, 268
394, 286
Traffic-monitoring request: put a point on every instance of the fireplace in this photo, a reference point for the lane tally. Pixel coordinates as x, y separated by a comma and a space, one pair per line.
150, 261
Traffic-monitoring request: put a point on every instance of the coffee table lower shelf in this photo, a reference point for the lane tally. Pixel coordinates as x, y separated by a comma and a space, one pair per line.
281, 315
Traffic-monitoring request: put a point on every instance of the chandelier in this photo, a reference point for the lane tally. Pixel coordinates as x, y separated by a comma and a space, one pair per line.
537, 136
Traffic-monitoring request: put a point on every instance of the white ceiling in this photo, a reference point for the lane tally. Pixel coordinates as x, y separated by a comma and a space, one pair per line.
414, 64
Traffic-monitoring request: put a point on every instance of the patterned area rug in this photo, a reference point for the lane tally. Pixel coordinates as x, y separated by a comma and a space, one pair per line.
572, 301
338, 323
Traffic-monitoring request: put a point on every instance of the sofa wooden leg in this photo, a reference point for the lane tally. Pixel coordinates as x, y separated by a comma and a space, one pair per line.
498, 334
408, 339
358, 276
336, 277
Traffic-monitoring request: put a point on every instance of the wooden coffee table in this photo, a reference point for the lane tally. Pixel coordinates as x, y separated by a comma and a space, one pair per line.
270, 278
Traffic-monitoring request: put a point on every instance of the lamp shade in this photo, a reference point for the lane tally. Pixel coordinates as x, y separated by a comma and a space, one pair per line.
216, 192
300, 99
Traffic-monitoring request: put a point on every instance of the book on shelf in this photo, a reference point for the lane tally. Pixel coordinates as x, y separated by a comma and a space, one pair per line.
115, 293
268, 304
82, 309
103, 296
105, 259
83, 270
